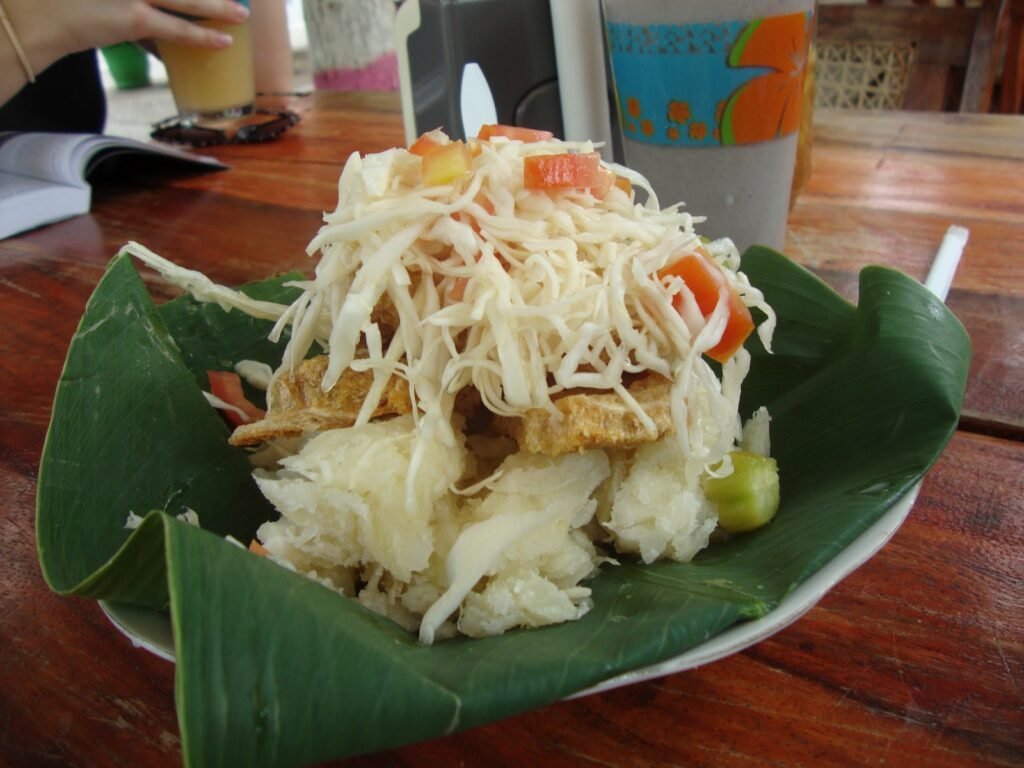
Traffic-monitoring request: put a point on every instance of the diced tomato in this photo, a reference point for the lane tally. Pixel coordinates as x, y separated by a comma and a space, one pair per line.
705, 281
227, 386
700, 277
258, 549
426, 142
487, 132
446, 163
566, 171
624, 184
607, 181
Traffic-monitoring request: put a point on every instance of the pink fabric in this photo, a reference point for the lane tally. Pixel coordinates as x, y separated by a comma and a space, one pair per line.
379, 75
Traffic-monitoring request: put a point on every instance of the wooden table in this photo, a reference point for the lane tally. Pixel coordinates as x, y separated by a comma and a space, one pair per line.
915, 659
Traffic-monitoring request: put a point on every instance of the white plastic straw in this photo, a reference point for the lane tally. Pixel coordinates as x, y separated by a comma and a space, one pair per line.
940, 276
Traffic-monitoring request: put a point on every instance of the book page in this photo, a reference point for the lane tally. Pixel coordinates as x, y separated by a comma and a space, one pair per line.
45, 177
49, 156
88, 156
26, 203
68, 158
13, 185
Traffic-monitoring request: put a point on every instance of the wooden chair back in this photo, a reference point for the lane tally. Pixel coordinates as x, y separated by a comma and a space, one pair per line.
1011, 86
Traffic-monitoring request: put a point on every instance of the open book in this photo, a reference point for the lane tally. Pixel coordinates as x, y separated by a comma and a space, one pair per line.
44, 177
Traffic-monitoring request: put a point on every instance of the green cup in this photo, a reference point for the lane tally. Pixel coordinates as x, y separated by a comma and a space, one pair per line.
128, 64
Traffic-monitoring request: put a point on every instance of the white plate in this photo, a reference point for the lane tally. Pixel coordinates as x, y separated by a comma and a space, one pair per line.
792, 607
146, 629
152, 630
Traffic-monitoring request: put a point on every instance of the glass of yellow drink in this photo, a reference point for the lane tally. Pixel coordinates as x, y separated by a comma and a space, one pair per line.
212, 84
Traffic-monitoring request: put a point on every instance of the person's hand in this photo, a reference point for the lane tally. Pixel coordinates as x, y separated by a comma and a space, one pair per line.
104, 22
51, 29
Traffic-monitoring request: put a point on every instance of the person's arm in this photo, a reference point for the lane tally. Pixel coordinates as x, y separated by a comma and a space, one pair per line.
273, 64
47, 30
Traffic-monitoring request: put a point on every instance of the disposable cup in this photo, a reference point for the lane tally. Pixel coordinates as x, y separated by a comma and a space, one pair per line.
709, 97
128, 64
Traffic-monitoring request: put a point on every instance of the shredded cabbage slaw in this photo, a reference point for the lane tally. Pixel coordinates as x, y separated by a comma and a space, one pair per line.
559, 290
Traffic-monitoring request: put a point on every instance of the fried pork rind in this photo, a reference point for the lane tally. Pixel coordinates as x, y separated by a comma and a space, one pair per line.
590, 420
297, 404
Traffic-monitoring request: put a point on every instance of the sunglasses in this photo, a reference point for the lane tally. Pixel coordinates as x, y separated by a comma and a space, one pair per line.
261, 125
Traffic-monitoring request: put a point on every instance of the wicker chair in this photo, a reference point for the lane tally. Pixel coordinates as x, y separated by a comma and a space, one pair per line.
908, 57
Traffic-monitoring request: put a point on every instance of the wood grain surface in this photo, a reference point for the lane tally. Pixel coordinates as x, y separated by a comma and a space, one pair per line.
917, 658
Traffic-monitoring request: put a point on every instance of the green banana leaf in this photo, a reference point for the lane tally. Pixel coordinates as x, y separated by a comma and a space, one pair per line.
273, 669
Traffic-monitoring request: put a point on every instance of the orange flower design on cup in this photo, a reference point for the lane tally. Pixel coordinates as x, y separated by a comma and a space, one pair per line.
768, 106
678, 112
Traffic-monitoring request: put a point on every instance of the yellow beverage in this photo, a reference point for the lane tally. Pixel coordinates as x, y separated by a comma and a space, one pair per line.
208, 83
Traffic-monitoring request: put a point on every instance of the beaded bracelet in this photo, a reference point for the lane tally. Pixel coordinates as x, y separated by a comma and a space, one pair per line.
17, 45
